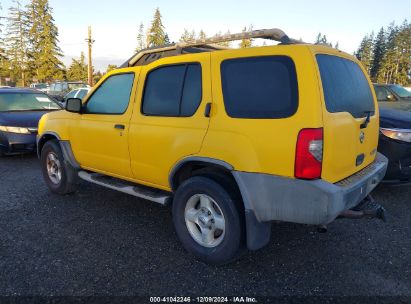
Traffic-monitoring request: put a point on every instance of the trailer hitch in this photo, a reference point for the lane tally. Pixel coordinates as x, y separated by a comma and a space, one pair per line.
368, 208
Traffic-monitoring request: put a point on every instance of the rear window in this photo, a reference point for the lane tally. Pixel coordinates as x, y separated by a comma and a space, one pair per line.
260, 87
345, 86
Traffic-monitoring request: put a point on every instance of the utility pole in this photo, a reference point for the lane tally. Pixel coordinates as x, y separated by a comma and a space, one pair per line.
90, 42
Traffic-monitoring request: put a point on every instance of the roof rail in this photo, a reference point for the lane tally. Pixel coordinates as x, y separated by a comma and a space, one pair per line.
211, 43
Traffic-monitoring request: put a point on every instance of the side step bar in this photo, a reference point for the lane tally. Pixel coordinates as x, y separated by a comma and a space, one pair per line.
151, 194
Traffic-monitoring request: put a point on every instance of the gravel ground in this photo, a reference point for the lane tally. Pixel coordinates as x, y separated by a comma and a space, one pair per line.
101, 242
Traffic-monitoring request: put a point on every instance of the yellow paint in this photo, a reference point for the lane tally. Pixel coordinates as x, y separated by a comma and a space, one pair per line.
149, 147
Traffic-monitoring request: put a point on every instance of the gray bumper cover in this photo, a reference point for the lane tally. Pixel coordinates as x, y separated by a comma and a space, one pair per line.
316, 202
273, 198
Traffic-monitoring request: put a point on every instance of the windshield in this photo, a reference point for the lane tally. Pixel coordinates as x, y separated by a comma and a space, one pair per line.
40, 86
26, 102
400, 91
73, 86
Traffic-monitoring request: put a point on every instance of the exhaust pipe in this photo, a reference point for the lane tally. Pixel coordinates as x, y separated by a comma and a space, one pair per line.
368, 208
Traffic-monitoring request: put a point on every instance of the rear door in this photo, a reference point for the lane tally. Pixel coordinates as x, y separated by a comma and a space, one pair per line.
350, 117
169, 122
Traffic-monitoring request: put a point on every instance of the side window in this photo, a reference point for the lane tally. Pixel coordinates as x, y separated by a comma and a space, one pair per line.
71, 94
81, 94
173, 91
113, 96
382, 93
260, 87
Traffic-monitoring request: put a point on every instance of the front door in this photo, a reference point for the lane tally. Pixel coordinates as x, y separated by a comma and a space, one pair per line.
99, 137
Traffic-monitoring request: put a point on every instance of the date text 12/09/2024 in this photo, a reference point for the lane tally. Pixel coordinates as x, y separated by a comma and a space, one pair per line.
203, 300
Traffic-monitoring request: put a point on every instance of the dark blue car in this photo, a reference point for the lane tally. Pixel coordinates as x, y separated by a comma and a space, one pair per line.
395, 143
20, 112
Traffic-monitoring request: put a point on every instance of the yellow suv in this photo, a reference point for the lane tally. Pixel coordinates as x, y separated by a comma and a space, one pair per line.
233, 139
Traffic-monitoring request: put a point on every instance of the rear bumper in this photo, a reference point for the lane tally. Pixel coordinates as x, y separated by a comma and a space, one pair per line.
11, 143
273, 198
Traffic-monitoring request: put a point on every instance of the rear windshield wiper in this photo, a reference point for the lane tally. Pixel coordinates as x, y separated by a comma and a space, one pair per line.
367, 119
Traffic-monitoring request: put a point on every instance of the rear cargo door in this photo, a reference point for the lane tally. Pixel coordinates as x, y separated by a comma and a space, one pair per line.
350, 117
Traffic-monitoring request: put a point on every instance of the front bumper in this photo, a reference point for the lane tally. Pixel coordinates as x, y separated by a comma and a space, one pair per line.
399, 156
11, 143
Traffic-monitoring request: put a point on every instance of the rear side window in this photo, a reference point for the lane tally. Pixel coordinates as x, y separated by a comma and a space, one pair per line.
345, 86
173, 91
260, 87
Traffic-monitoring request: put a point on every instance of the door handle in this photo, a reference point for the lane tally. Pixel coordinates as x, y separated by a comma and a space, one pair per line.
120, 127
207, 110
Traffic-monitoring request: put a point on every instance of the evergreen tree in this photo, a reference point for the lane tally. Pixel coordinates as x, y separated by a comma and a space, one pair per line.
202, 35
365, 52
322, 39
78, 69
44, 51
378, 55
97, 76
166, 39
156, 34
226, 44
4, 71
111, 67
188, 36
140, 39
245, 43
17, 43
385, 74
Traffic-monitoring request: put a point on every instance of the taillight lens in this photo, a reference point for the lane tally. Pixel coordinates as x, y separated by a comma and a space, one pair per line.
309, 154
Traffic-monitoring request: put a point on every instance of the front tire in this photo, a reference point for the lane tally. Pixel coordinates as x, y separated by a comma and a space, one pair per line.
208, 220
59, 176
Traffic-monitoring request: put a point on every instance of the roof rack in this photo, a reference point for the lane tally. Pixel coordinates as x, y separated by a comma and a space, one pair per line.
203, 45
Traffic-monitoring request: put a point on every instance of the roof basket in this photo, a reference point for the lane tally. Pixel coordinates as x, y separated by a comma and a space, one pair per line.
207, 44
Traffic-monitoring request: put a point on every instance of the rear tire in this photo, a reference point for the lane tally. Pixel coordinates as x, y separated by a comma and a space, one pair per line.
59, 175
208, 220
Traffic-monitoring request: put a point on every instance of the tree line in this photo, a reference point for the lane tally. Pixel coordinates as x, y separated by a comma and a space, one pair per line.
156, 35
387, 56
30, 52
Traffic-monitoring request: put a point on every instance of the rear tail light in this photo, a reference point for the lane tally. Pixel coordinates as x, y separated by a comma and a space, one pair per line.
309, 154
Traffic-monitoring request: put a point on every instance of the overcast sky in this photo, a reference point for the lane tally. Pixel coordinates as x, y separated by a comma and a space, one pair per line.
115, 23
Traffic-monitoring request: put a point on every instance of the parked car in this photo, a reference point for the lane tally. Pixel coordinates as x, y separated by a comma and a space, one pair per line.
233, 139
395, 143
43, 87
77, 93
20, 112
393, 96
59, 89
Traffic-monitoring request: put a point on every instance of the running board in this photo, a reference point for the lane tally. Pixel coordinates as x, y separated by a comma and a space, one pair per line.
151, 194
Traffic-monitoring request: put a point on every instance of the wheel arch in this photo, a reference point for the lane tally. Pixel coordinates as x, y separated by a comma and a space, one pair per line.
184, 169
64, 145
45, 137
257, 234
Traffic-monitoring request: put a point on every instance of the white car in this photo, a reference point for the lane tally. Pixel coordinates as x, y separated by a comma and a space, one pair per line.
408, 89
77, 93
43, 87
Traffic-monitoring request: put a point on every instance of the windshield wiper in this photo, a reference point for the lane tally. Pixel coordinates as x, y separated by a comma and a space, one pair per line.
367, 119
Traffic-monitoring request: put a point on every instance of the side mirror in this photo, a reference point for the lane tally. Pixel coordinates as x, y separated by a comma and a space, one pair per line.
73, 105
391, 98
